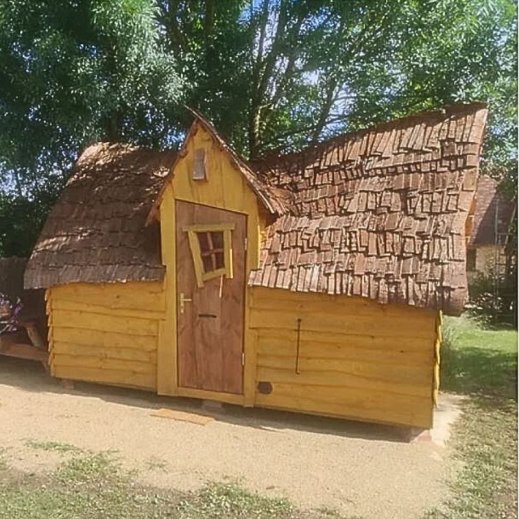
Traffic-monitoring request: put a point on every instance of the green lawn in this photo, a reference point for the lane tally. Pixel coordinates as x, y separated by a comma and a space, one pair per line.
482, 364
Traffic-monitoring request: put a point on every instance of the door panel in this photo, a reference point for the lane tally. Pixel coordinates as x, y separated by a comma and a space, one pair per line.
210, 323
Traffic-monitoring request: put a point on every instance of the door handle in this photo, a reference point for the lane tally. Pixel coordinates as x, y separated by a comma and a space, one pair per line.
183, 299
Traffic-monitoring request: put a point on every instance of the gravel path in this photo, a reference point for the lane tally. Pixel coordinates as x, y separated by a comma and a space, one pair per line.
361, 470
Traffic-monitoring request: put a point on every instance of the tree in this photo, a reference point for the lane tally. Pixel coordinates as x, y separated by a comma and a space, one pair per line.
273, 75
279, 74
75, 72
72, 73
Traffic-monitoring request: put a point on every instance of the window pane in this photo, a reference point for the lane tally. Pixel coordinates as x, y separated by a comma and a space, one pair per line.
208, 263
204, 241
219, 260
217, 238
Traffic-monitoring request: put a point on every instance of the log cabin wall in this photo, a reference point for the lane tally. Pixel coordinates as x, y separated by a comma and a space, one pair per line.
106, 333
357, 358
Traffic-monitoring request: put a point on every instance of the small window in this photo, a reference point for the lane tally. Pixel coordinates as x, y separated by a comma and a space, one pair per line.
199, 172
471, 260
211, 248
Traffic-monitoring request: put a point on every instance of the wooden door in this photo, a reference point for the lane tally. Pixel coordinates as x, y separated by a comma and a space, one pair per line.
210, 245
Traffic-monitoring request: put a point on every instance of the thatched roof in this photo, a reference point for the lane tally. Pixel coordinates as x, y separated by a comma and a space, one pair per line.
493, 214
95, 233
380, 213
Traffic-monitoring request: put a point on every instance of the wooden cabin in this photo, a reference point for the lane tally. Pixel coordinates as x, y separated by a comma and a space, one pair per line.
310, 282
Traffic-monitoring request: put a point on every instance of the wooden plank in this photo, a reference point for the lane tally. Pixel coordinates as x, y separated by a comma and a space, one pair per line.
250, 368
110, 377
217, 396
102, 364
340, 323
182, 416
339, 382
206, 227
412, 375
133, 354
342, 414
106, 323
376, 406
314, 344
167, 340
104, 340
269, 298
148, 296
22, 351
63, 304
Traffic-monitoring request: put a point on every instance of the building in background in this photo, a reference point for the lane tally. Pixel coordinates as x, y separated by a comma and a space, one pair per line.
487, 252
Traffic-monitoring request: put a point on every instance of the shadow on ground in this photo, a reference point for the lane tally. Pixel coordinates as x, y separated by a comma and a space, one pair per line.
30, 376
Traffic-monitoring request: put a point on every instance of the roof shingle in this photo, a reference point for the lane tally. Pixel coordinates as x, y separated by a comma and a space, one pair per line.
95, 233
379, 213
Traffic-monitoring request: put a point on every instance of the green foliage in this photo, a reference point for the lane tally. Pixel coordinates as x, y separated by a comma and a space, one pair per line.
493, 299
76, 72
273, 75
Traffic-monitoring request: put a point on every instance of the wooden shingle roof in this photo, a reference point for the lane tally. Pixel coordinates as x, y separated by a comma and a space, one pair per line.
380, 213
95, 233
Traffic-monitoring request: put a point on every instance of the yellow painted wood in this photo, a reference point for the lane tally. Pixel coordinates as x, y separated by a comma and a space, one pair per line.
209, 227
95, 362
60, 304
249, 370
341, 346
194, 247
111, 377
50, 338
103, 322
105, 340
100, 352
354, 408
357, 359
309, 302
341, 381
167, 339
370, 371
225, 187
437, 359
340, 321
137, 296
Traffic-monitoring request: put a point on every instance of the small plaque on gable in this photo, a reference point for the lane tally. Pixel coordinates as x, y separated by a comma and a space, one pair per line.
199, 172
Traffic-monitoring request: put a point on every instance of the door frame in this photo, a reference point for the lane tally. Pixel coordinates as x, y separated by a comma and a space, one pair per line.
167, 365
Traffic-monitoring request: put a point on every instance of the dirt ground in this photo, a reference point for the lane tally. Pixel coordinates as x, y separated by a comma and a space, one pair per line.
357, 469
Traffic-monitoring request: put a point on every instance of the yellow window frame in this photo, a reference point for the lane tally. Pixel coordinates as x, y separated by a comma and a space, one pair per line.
196, 253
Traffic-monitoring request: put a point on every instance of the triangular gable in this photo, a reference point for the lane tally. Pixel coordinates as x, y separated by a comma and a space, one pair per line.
274, 200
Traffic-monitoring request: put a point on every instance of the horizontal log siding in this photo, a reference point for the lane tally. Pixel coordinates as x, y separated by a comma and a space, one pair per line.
106, 333
358, 359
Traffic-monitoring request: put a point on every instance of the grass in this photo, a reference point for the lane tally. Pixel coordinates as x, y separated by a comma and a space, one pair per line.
51, 446
482, 364
94, 486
